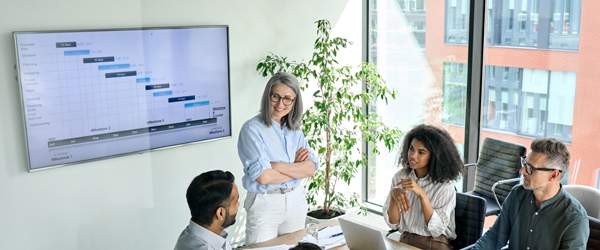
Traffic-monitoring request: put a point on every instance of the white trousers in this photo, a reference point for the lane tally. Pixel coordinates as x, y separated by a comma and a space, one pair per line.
273, 215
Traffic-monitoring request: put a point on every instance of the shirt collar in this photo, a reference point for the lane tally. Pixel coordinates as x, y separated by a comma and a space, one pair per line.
276, 124
413, 175
556, 197
214, 240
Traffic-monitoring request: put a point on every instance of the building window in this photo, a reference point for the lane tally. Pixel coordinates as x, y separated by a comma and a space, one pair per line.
412, 5
529, 102
532, 102
457, 21
420, 5
564, 22
542, 24
502, 93
561, 103
454, 93
414, 12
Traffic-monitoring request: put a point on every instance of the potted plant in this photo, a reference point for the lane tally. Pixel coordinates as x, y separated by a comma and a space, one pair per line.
337, 124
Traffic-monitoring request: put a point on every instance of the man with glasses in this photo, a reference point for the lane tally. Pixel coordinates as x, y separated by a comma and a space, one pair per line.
539, 214
213, 201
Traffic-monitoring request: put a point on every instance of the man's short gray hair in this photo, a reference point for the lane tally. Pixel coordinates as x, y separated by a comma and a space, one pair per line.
556, 152
292, 120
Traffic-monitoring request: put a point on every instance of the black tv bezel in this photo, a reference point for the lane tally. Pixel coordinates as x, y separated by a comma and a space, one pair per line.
22, 101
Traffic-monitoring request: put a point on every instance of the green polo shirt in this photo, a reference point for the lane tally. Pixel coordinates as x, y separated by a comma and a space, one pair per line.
561, 223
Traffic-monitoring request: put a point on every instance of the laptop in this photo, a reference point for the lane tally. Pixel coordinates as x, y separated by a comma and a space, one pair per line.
362, 237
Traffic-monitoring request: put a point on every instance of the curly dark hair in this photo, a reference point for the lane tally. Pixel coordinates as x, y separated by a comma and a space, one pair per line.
445, 163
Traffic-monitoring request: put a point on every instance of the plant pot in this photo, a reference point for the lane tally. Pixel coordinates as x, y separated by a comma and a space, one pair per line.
311, 219
339, 214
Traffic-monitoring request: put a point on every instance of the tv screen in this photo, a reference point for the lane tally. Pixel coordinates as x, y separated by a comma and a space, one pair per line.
93, 94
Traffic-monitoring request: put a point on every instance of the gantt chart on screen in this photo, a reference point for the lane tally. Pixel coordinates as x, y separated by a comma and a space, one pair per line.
88, 95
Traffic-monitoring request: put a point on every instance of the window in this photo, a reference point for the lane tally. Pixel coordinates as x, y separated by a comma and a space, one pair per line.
564, 21
454, 94
457, 21
518, 103
420, 5
414, 13
545, 21
543, 24
530, 102
541, 91
418, 30
412, 5
400, 51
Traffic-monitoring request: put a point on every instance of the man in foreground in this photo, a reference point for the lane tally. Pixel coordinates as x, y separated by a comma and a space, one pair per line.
213, 201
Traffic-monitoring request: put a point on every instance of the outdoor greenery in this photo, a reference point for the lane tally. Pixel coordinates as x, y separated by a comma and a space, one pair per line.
337, 123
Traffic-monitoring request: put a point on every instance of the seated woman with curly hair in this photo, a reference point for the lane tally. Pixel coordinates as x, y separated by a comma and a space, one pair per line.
422, 197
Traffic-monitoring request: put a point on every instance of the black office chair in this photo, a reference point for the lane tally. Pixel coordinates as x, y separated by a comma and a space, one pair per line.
594, 239
498, 166
469, 216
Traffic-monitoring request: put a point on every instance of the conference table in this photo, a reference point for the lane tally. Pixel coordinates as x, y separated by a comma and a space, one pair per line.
293, 238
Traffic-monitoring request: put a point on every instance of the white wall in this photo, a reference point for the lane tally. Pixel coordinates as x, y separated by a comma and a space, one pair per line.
138, 201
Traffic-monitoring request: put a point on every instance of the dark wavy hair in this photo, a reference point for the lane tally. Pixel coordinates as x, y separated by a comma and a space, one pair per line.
306, 246
207, 192
445, 163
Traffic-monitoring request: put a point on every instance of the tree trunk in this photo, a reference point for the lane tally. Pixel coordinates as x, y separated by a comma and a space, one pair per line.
326, 203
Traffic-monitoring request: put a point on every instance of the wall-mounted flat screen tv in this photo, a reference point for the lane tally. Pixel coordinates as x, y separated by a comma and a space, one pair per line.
93, 94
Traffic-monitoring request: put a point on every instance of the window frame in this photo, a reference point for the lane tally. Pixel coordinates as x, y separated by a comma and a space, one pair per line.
475, 67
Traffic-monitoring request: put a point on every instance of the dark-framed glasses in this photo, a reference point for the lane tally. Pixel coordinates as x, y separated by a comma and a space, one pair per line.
286, 100
529, 169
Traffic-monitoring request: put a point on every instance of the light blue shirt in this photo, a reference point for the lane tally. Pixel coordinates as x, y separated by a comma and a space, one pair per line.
196, 237
259, 145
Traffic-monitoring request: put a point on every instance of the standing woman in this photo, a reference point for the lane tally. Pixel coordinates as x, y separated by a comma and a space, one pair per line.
276, 158
422, 198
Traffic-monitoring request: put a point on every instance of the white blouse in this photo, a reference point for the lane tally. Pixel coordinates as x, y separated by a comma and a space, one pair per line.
442, 197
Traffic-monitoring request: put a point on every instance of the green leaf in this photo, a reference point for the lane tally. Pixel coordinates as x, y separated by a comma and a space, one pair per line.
322, 150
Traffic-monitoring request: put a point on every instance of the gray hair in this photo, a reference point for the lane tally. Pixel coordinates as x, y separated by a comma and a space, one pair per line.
292, 120
556, 152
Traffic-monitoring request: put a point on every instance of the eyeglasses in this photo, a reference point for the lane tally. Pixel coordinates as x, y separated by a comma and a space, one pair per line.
286, 100
529, 169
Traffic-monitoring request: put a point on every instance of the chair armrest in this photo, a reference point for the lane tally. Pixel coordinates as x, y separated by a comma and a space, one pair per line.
470, 165
502, 182
468, 247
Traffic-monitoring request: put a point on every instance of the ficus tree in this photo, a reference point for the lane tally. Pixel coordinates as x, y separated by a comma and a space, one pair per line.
338, 123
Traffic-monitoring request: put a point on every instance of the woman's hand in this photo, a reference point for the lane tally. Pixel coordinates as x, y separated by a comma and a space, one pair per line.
301, 155
399, 198
399, 193
410, 184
